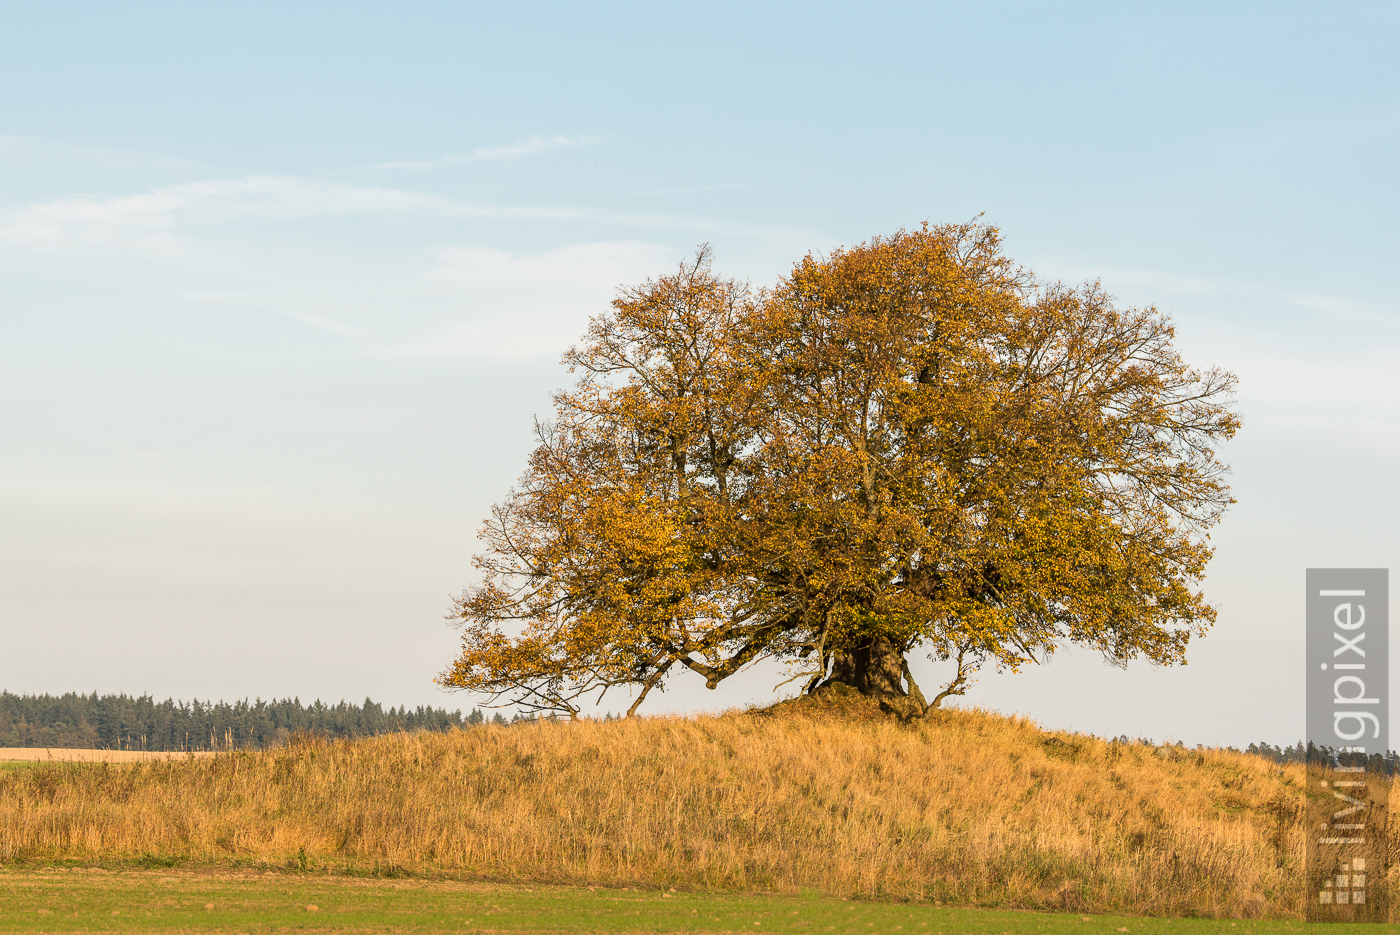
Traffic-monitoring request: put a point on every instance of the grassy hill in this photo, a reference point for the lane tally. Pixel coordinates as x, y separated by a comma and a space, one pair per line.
969, 809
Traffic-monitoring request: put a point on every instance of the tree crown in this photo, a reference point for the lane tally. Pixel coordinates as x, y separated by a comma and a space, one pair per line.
907, 444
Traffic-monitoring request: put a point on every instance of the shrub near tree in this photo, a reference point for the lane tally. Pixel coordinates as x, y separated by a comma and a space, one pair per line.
911, 445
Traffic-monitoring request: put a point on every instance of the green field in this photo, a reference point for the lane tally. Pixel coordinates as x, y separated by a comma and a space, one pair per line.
82, 900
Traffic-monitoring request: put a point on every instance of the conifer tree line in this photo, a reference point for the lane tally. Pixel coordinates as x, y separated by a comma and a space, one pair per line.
1301, 753
141, 723
1309, 753
1294, 754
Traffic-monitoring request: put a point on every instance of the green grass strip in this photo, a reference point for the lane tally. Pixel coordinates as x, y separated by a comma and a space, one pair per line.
71, 901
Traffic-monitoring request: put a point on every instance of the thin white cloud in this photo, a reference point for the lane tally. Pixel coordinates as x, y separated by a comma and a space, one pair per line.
159, 217
466, 301
331, 325
528, 305
568, 267
1161, 282
89, 217
528, 147
1342, 363
290, 307
318, 251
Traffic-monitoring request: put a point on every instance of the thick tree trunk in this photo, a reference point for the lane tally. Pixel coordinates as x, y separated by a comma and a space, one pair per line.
877, 669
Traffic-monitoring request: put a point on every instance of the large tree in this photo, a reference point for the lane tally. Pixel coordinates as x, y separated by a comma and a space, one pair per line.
909, 445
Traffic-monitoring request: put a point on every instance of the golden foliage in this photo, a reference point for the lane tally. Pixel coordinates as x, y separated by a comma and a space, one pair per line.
965, 807
909, 443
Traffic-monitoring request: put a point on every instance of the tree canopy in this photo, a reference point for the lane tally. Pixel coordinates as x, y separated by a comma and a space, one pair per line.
910, 445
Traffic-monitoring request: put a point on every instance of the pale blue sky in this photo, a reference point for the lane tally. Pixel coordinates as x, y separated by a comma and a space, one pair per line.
281, 289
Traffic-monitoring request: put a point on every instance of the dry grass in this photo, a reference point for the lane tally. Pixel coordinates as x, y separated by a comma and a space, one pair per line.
72, 755
972, 809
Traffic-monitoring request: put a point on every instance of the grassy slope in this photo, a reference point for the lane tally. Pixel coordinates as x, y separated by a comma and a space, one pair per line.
970, 809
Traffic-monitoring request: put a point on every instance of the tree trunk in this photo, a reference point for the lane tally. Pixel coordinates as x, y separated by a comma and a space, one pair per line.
877, 669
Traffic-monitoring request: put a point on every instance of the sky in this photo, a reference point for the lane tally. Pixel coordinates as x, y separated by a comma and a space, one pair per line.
283, 287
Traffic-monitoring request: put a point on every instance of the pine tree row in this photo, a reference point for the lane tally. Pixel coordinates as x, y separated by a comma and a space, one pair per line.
141, 723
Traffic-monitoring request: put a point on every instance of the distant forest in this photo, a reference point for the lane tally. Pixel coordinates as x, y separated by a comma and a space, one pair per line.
1298, 753
1295, 754
121, 722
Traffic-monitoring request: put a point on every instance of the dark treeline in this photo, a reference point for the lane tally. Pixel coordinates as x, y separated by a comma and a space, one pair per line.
1294, 754
1301, 753
142, 723
124, 722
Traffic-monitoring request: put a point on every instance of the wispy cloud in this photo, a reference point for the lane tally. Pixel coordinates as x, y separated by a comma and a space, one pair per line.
507, 305
87, 216
155, 217
1161, 282
366, 262
528, 147
290, 307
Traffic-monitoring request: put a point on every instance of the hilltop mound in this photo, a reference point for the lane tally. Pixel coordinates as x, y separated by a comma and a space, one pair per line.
969, 808
837, 703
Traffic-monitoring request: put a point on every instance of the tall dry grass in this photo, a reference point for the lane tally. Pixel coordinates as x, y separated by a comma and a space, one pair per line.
971, 809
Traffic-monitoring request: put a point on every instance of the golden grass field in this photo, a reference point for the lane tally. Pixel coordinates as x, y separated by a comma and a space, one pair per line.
968, 809
70, 755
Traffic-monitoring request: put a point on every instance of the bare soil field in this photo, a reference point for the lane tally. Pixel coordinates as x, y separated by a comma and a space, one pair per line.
68, 755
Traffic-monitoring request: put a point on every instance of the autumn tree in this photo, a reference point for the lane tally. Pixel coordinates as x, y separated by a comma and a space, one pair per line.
911, 445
